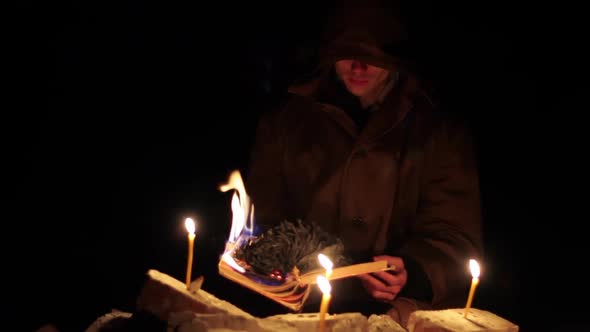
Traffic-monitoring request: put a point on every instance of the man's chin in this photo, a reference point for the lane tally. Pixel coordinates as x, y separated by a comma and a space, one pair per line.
356, 91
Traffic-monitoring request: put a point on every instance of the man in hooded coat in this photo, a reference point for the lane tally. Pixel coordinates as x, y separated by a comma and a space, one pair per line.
363, 151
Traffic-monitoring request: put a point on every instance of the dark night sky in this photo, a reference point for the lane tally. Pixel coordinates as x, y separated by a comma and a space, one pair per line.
123, 117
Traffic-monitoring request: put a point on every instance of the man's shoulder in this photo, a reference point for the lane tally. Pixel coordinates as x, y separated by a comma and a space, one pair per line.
435, 120
427, 111
437, 105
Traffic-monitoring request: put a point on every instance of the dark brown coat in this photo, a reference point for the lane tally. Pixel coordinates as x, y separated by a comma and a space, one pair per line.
405, 185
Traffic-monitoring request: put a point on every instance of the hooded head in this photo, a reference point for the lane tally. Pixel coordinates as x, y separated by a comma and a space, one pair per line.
371, 32
364, 37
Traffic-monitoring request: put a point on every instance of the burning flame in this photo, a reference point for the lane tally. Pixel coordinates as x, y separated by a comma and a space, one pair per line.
242, 216
326, 263
190, 225
324, 284
240, 206
474, 267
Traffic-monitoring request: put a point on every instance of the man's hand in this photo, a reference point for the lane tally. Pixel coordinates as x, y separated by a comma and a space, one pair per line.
385, 285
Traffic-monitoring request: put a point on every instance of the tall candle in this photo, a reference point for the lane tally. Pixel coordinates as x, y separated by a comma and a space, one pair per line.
474, 267
190, 227
325, 287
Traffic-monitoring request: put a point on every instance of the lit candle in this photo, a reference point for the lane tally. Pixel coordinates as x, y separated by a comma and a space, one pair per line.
474, 267
327, 264
325, 287
190, 227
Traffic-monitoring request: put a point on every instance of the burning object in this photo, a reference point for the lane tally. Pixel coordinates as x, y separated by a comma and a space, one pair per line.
282, 262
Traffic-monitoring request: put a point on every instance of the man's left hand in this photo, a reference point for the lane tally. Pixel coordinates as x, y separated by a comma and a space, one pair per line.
385, 285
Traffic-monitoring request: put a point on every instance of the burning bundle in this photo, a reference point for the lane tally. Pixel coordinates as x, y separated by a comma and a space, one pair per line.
282, 262
289, 247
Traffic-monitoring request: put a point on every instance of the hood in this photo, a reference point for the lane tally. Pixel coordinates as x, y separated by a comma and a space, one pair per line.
371, 31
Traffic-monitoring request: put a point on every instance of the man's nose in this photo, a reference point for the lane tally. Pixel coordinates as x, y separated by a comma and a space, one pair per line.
358, 66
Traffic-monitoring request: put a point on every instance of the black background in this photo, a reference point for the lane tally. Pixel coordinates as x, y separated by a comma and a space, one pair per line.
123, 117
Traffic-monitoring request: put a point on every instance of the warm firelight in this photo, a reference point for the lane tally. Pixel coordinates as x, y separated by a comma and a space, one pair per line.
326, 263
324, 285
240, 206
474, 267
190, 226
242, 216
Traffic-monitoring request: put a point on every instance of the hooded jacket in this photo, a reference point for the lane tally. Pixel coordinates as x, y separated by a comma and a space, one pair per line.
401, 182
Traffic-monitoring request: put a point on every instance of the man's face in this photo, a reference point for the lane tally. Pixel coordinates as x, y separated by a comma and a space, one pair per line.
360, 78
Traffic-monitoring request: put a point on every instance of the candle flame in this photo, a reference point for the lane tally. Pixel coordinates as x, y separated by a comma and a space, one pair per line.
474, 267
325, 262
324, 284
190, 225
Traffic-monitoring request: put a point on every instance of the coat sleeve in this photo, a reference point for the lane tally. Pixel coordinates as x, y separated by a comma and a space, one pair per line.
446, 231
264, 180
